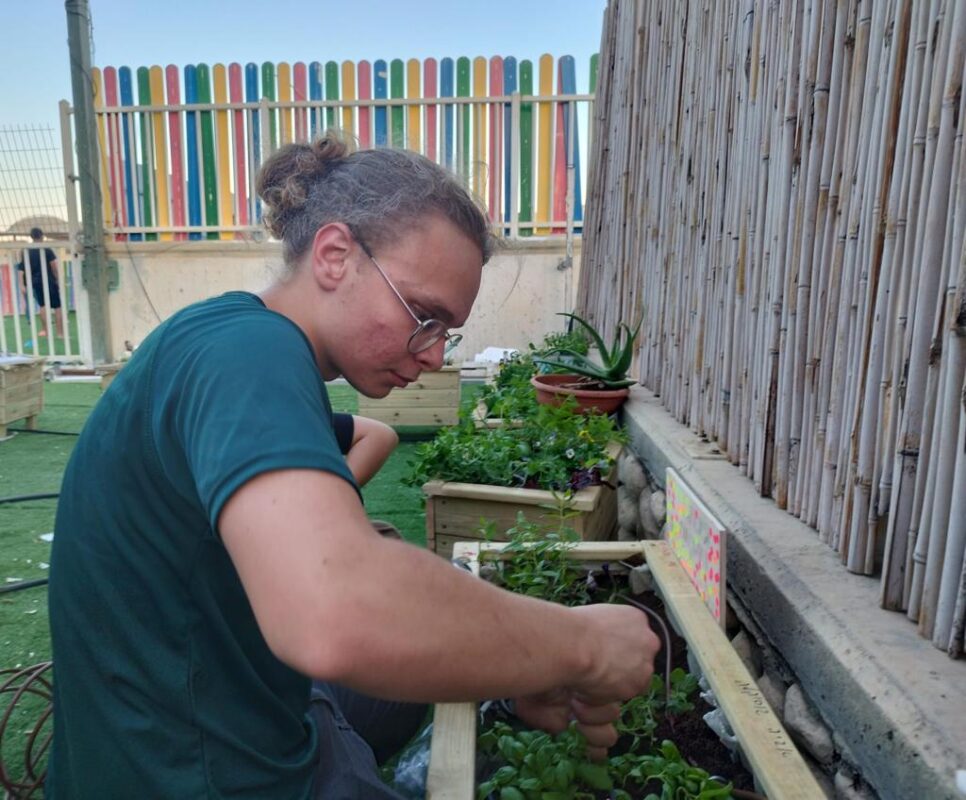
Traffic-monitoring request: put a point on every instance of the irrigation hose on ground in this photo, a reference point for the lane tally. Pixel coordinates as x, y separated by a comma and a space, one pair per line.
23, 498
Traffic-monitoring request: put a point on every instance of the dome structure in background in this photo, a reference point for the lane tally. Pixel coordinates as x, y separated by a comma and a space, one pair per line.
53, 227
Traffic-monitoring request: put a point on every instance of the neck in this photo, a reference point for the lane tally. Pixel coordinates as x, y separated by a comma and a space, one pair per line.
297, 297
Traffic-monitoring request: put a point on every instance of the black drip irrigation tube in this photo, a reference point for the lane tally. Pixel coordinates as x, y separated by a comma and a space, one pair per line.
25, 498
16, 587
47, 433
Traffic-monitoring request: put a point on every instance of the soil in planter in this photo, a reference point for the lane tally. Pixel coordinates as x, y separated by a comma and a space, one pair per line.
697, 743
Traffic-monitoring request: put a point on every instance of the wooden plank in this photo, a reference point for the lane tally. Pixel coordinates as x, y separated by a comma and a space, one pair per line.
776, 762
22, 392
192, 174
412, 416
452, 758
397, 123
209, 167
171, 80
331, 91
441, 399
582, 500
160, 152
20, 410
224, 200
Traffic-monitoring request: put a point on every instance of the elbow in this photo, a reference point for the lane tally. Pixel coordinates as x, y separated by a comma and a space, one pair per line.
323, 652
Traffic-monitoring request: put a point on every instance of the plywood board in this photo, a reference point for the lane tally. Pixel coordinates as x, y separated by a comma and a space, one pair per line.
698, 540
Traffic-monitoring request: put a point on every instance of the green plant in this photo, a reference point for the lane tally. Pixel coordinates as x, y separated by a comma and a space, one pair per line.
611, 373
640, 715
538, 766
535, 561
668, 771
551, 448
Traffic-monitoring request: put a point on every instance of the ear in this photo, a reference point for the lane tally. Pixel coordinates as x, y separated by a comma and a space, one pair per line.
331, 247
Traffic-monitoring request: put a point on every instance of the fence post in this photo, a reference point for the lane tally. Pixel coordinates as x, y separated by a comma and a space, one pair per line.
515, 145
94, 264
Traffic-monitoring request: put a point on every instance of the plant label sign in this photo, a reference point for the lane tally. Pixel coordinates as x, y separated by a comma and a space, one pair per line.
698, 541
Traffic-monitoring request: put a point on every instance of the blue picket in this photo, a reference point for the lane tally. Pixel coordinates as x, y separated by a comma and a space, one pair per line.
255, 125
568, 85
131, 176
315, 93
509, 87
380, 91
191, 142
446, 88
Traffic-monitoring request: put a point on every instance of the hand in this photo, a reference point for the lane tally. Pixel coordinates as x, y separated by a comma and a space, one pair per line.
552, 711
622, 648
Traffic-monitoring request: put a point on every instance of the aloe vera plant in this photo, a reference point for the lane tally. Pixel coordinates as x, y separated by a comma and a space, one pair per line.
611, 373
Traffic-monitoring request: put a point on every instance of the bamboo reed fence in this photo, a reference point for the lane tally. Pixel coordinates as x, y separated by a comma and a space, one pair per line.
780, 188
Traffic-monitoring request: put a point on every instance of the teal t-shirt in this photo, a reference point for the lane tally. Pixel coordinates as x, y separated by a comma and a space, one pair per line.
164, 686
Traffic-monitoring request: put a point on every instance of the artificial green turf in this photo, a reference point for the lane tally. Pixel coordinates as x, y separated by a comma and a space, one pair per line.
43, 342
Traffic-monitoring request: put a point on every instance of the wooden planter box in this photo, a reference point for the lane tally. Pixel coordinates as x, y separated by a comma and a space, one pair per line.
773, 757
432, 400
107, 373
454, 510
21, 391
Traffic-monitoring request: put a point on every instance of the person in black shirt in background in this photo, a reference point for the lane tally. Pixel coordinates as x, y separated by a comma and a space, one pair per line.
37, 259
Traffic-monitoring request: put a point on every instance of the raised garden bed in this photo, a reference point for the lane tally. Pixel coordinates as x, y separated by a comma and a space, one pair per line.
21, 391
454, 510
778, 767
434, 399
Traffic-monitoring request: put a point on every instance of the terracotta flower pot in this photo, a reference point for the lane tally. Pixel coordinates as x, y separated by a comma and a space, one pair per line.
551, 390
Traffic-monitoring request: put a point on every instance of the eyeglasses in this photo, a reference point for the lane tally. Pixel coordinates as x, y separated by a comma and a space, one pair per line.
428, 331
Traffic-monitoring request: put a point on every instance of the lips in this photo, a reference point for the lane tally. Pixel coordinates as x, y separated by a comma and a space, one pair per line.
402, 380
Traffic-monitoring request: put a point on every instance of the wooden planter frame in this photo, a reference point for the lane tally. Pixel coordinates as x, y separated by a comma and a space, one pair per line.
21, 392
454, 510
434, 399
773, 757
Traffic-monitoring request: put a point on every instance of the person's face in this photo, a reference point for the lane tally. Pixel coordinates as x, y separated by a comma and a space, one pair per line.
436, 269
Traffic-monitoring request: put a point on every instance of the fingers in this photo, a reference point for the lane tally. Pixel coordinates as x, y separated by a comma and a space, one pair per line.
594, 714
599, 739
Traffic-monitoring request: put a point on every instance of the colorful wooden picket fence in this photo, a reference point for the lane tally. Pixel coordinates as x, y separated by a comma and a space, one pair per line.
180, 147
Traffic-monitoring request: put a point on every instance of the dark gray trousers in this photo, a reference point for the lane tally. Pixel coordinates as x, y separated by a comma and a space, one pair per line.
357, 734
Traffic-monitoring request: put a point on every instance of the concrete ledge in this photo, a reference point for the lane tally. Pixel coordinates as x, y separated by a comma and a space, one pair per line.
897, 703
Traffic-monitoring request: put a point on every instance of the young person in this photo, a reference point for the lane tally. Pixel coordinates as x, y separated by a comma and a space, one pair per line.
225, 621
40, 260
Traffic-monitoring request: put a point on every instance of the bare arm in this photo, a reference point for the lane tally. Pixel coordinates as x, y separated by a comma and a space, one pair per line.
372, 443
337, 602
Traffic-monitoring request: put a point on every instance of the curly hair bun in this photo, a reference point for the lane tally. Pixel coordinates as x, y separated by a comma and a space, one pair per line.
286, 178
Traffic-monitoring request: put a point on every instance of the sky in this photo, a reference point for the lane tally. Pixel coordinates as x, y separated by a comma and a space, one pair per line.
145, 32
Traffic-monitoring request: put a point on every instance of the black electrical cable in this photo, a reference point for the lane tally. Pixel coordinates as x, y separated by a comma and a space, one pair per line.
24, 498
15, 587
50, 433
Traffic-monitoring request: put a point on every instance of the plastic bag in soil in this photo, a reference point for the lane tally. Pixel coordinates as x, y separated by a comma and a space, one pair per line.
409, 777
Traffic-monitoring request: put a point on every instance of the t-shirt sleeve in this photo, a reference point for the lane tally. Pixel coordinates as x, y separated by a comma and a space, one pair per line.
249, 400
345, 428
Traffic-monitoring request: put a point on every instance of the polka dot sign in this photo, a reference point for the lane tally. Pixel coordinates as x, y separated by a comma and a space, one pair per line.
698, 541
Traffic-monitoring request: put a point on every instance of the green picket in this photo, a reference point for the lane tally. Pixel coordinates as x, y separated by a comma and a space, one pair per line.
331, 91
526, 147
396, 90
203, 75
463, 90
268, 93
144, 99
593, 72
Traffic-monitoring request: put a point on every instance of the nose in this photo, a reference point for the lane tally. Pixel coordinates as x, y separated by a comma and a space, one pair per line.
431, 359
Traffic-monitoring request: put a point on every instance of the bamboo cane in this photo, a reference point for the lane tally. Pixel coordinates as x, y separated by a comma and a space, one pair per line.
932, 214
